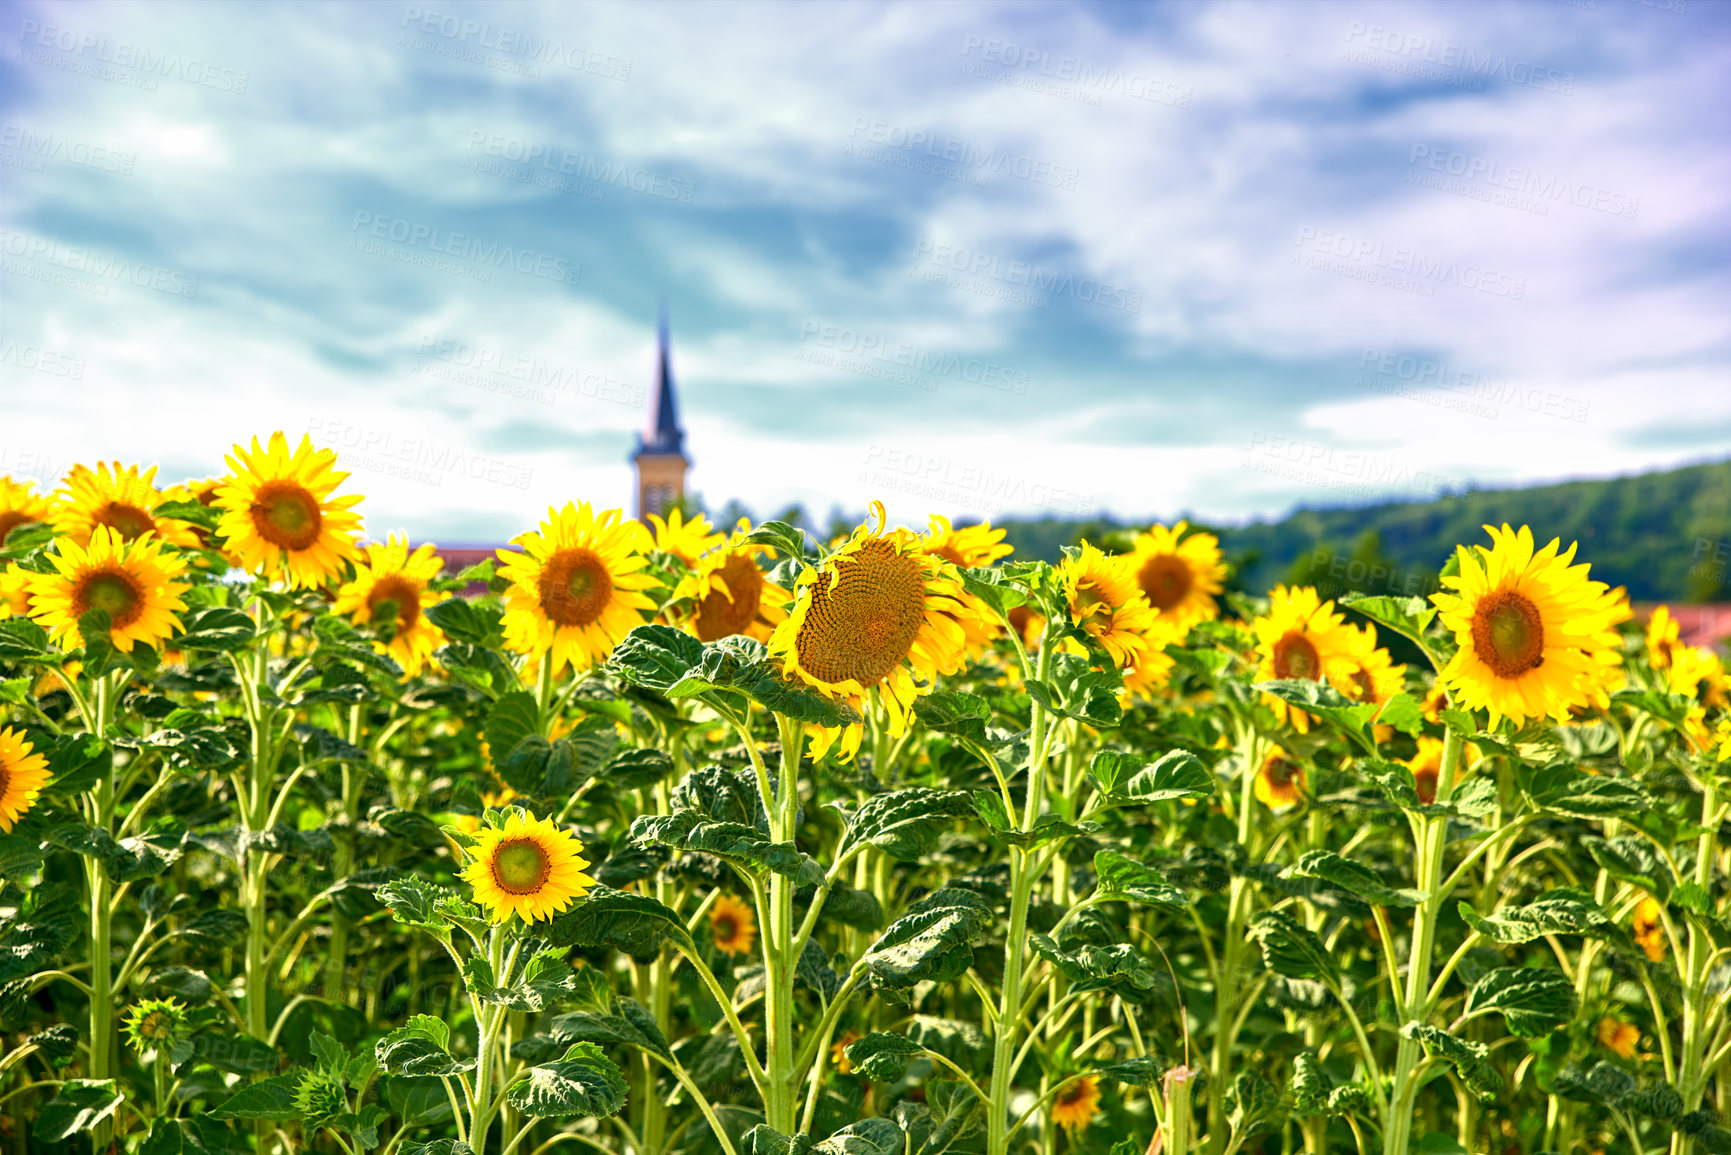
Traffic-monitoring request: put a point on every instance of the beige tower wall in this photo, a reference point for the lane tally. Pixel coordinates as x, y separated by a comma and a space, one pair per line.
660, 483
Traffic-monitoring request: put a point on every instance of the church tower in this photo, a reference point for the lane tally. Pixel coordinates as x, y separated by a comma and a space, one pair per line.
660, 457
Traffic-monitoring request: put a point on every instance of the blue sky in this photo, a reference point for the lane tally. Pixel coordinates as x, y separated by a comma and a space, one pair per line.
972, 259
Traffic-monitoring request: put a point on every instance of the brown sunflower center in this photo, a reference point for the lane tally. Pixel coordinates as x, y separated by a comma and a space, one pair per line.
864, 617
112, 590
1282, 771
396, 598
1508, 634
1295, 656
127, 520
520, 866
1424, 781
718, 616
575, 587
286, 515
1073, 1094
1166, 580
1362, 682
726, 928
10, 520
5, 777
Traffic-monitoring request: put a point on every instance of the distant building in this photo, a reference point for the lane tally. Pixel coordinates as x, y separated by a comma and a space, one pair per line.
660, 458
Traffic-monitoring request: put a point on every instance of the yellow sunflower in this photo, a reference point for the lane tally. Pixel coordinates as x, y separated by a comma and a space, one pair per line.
1618, 1037
881, 614
1105, 600
685, 540
23, 773
132, 580
969, 548
1279, 781
531, 869
1662, 637
1077, 1104
14, 592
492, 800
279, 518
727, 593
1029, 623
20, 504
1536, 635
1153, 668
1697, 672
1648, 927
1366, 673
1179, 575
1301, 637
732, 925
1723, 735
390, 586
1426, 767
120, 498
1436, 700
838, 1052
576, 587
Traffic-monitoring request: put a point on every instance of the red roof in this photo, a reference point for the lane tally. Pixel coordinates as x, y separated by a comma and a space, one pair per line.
1699, 625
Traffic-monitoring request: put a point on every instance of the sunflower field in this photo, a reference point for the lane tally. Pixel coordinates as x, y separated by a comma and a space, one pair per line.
666, 839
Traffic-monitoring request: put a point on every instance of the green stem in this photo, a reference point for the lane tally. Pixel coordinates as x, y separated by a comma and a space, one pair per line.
1697, 1029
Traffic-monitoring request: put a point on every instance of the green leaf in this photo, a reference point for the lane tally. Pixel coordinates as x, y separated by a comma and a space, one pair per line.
199, 1135
1292, 949
218, 629
788, 541
1563, 910
904, 824
766, 1140
1361, 881
1532, 1001
995, 588
742, 665
1175, 774
77, 762
413, 901
438, 1146
989, 805
1562, 789
189, 986
882, 1057
631, 1027
655, 657
1470, 1060
950, 712
22, 640
1138, 1072
127, 860
932, 942
272, 1098
1118, 967
584, 1083
1402, 711
78, 1107
633, 923
1409, 617
422, 1047
638, 767
1074, 689
1122, 877
462, 621
1632, 860
1325, 702
513, 718
746, 847
1254, 1105
866, 1137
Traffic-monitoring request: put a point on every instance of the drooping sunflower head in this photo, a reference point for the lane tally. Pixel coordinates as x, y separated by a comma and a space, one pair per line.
1618, 1037
1279, 780
970, 547
280, 518
732, 925
23, 773
1648, 928
20, 505
1662, 637
527, 867
1104, 599
119, 497
1179, 575
1363, 671
134, 581
727, 592
685, 540
880, 613
1076, 1105
1535, 634
1426, 767
1300, 637
155, 1024
576, 586
389, 593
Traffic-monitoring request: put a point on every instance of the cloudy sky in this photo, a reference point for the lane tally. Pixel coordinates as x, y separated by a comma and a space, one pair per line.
976, 259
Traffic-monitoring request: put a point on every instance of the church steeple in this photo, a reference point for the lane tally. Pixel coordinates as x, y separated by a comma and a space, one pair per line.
660, 455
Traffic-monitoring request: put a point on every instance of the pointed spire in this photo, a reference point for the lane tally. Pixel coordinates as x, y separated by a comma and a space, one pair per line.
663, 434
